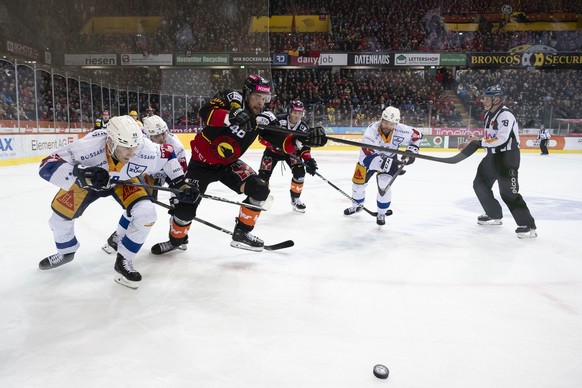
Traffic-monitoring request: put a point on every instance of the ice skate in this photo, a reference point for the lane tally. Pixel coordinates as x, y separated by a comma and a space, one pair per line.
170, 245
111, 244
246, 240
526, 232
126, 274
484, 219
381, 219
298, 205
352, 210
56, 260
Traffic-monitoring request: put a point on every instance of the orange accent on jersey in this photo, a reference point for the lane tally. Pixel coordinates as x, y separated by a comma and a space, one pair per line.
248, 216
385, 138
297, 188
179, 231
67, 200
112, 166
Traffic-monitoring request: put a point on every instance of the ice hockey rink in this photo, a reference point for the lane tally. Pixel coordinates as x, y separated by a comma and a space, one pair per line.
439, 300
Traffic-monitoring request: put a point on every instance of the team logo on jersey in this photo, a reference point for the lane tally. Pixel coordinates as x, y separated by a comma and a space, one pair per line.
225, 148
135, 169
267, 164
128, 191
67, 200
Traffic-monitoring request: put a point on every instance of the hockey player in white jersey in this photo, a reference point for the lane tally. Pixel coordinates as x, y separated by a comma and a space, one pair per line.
155, 129
387, 133
88, 169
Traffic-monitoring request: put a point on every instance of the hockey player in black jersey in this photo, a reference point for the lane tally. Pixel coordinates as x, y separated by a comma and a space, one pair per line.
231, 121
298, 161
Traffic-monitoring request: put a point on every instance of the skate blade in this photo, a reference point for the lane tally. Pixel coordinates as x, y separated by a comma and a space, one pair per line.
490, 223
183, 247
298, 210
124, 282
108, 248
527, 235
238, 245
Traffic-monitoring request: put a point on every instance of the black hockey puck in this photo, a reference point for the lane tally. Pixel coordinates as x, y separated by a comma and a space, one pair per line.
380, 371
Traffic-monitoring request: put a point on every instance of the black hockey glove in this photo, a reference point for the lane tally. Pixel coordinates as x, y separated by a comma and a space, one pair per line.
310, 166
316, 137
93, 178
240, 117
188, 190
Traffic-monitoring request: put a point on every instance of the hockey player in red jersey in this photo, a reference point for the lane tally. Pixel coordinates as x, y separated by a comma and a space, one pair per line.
299, 161
231, 121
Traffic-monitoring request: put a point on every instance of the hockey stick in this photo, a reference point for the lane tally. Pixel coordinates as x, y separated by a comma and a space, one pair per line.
274, 247
374, 214
177, 191
464, 154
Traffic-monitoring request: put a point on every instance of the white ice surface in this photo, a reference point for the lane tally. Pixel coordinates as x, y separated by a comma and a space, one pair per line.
439, 300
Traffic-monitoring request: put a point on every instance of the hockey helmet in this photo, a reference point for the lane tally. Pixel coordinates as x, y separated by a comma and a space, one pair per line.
133, 113
391, 114
125, 132
154, 125
257, 84
296, 106
494, 91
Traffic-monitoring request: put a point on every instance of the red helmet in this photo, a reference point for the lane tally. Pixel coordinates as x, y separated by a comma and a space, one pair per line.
296, 106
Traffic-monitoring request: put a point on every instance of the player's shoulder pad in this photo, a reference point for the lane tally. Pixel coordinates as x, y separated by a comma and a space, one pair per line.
98, 132
234, 96
267, 118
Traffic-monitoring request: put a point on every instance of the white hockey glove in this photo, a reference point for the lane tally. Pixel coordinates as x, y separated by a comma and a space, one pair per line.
381, 163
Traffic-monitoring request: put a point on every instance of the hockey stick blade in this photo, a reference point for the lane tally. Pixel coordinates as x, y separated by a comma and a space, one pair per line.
464, 154
281, 245
374, 214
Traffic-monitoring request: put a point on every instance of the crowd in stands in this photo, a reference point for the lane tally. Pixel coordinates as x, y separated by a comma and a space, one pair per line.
536, 97
333, 96
370, 25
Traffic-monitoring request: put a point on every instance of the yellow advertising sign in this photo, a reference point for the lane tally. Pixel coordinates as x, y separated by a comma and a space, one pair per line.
290, 23
312, 23
278, 23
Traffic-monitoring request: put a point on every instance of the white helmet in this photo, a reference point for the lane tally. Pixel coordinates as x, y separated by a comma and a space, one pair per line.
391, 114
124, 131
154, 125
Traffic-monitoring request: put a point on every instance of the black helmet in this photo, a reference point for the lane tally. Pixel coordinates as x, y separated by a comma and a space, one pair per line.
296, 106
256, 83
494, 91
